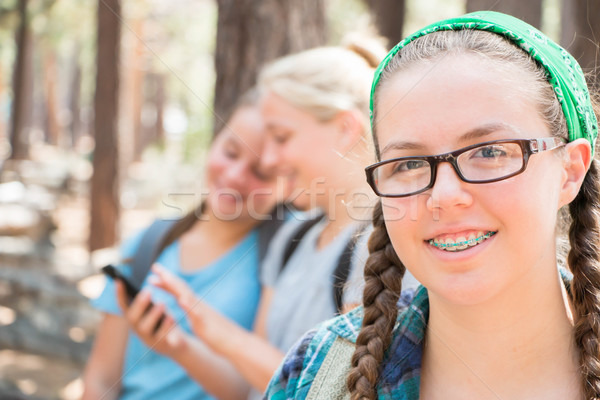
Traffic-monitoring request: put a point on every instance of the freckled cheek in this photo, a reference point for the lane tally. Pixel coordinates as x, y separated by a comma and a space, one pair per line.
406, 209
394, 209
523, 208
402, 220
290, 152
216, 164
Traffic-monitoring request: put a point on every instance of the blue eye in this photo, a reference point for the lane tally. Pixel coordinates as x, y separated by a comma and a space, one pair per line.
490, 152
406, 168
410, 165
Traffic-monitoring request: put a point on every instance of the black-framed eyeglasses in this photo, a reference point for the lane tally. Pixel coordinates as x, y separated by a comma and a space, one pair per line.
480, 163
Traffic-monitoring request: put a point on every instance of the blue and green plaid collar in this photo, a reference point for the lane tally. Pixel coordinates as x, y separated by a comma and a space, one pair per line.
413, 315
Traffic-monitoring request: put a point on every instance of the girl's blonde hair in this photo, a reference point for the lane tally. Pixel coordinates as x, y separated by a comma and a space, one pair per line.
325, 80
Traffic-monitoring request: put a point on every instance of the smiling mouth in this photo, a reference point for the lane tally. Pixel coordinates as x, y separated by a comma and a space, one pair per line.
461, 244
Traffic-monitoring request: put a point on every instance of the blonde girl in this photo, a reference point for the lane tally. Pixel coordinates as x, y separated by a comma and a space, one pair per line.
315, 108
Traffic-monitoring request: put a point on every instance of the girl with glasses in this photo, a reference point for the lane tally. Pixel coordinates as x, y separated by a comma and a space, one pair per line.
484, 131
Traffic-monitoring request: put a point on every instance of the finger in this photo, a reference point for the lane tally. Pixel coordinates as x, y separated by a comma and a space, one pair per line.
175, 338
169, 282
164, 326
122, 298
138, 307
189, 304
193, 309
150, 320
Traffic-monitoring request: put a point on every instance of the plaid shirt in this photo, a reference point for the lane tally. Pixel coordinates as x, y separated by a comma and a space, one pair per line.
401, 372
401, 368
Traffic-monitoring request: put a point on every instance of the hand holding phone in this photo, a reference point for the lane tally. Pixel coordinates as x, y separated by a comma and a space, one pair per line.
130, 289
114, 273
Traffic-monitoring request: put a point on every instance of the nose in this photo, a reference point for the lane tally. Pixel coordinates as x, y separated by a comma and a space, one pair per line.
448, 190
269, 159
235, 175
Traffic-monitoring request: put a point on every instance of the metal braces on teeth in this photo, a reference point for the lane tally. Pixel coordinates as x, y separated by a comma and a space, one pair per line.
466, 242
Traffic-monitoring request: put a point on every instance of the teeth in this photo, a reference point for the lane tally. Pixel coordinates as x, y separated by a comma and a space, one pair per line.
461, 242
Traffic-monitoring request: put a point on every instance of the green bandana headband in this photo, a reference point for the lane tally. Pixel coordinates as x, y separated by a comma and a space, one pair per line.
563, 72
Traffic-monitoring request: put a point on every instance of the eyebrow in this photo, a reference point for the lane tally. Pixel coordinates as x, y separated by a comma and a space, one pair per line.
476, 133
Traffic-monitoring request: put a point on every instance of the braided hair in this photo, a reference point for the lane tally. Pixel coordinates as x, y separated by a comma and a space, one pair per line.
584, 234
383, 284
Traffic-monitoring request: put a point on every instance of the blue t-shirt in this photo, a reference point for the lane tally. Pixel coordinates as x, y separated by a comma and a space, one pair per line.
230, 285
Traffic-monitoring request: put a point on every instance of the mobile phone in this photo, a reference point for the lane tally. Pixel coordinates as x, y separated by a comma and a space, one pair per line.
130, 288
114, 273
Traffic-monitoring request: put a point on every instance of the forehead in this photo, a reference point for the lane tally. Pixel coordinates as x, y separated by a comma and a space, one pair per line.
245, 128
278, 112
433, 104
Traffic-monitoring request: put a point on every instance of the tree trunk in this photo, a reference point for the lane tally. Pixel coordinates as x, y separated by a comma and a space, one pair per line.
137, 75
581, 33
3, 129
529, 11
53, 128
22, 87
159, 102
389, 18
252, 32
75, 97
104, 187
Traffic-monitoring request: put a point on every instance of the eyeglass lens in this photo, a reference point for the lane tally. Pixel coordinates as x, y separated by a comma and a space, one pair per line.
492, 161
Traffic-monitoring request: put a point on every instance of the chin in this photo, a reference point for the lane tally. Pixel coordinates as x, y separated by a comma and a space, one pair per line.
463, 290
302, 203
228, 210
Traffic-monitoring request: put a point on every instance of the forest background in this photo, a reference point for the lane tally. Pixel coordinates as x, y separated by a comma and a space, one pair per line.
107, 108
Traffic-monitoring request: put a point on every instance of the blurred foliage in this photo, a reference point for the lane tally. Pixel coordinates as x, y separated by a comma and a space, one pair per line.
422, 13
551, 18
348, 16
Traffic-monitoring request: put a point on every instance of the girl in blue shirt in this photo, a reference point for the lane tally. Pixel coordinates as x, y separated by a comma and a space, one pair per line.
214, 249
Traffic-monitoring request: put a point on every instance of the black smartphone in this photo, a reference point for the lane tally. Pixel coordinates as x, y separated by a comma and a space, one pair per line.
114, 273
130, 288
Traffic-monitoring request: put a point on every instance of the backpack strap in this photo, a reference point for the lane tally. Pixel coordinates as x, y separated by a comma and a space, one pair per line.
145, 254
297, 237
342, 270
330, 380
268, 228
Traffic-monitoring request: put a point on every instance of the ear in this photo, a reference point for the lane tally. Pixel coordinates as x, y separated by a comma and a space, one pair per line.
578, 158
350, 130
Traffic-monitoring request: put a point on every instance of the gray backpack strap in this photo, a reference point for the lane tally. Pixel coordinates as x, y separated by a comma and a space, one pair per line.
342, 270
145, 254
294, 241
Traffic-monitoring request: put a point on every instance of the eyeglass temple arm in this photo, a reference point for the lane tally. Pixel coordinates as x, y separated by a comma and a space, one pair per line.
543, 144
